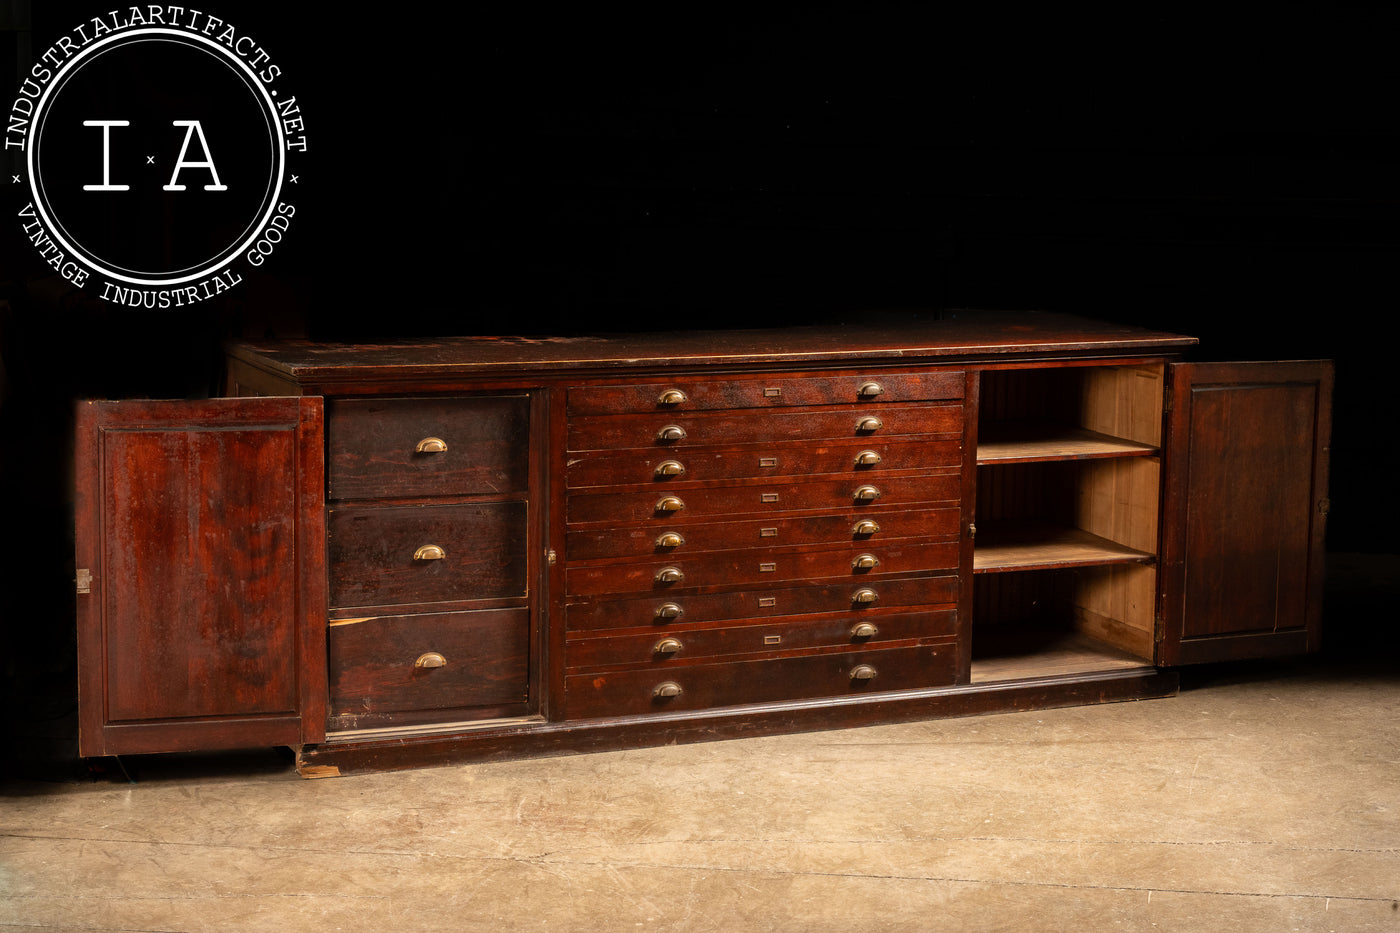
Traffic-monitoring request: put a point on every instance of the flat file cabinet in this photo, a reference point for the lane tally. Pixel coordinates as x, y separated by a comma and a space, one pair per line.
402, 554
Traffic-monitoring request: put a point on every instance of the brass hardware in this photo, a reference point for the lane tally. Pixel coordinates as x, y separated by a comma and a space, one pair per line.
972, 529
667, 690
864, 595
865, 528
865, 562
772, 392
869, 425
772, 639
767, 461
431, 659
84, 580
1324, 506
767, 601
666, 646
668, 611
767, 567
671, 432
669, 504
768, 497
429, 552
669, 575
431, 445
767, 532
670, 468
864, 630
670, 539
671, 397
867, 494
551, 557
870, 390
863, 672
867, 458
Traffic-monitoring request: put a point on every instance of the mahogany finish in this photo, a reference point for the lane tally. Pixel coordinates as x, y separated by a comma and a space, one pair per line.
540, 545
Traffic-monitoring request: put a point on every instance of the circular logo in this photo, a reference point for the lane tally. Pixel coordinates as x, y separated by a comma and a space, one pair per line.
158, 156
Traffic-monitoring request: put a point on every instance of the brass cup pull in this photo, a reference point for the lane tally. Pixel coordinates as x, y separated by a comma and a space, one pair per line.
669, 575
864, 596
870, 390
867, 494
865, 562
867, 458
862, 672
865, 528
431, 659
668, 611
670, 539
669, 504
429, 552
869, 425
670, 468
671, 432
431, 445
864, 630
666, 646
671, 397
667, 690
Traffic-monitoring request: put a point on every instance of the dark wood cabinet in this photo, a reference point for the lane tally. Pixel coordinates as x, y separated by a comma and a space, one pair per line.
526, 546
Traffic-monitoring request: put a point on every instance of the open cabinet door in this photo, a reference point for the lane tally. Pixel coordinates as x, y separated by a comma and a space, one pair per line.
201, 559
1244, 510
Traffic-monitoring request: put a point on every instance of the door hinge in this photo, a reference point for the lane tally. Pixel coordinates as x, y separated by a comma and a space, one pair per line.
1324, 506
84, 580
1159, 630
1168, 403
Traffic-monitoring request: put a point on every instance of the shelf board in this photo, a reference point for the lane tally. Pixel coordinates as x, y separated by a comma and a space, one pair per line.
1026, 654
1032, 442
1008, 546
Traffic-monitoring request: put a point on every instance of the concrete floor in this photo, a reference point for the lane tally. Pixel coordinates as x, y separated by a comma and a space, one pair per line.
1265, 797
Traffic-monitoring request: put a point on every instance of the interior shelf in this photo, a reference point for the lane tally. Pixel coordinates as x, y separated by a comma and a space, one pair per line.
1035, 441
1025, 654
1032, 545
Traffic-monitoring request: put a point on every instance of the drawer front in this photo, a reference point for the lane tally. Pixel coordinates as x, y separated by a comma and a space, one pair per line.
381, 555
858, 525
761, 565
705, 502
683, 430
665, 612
801, 458
444, 661
373, 446
765, 391
680, 644
707, 686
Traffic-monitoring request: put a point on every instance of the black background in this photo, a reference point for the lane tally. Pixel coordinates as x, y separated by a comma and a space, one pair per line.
605, 167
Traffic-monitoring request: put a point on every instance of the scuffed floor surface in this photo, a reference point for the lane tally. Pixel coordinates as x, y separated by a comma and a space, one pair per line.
1260, 799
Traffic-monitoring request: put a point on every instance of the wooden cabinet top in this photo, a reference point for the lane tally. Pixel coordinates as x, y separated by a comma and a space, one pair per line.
951, 337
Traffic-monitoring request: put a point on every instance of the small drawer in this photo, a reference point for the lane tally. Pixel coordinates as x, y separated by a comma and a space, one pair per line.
382, 670
767, 391
702, 503
395, 555
408, 447
683, 430
681, 644
707, 686
760, 565
852, 525
790, 458
664, 612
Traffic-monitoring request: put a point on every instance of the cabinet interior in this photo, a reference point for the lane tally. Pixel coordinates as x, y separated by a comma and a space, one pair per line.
1065, 553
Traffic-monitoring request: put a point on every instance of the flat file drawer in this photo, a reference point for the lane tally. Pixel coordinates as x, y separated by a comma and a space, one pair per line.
409, 447
766, 391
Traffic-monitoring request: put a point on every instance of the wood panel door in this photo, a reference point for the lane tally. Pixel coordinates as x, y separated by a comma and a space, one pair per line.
201, 574
1244, 510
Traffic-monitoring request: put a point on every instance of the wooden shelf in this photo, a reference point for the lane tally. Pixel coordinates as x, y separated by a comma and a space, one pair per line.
1032, 442
1021, 654
1008, 546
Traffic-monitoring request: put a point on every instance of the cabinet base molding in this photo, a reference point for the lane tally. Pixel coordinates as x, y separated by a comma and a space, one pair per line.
517, 740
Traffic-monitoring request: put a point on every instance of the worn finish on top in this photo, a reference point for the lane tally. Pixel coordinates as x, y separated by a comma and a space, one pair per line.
989, 334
